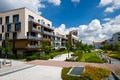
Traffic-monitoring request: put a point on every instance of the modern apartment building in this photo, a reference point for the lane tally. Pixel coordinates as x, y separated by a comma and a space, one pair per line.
73, 37
25, 29
60, 40
116, 38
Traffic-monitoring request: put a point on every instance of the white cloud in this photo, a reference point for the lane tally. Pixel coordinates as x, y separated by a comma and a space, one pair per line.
34, 5
13, 4
105, 2
95, 31
107, 19
111, 5
55, 2
75, 1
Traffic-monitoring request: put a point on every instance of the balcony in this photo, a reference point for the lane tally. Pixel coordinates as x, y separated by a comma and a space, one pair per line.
40, 23
49, 33
57, 41
34, 37
64, 41
34, 29
34, 46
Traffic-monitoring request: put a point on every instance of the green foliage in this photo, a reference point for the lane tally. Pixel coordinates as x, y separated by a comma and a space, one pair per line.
46, 46
91, 57
29, 58
94, 59
79, 54
7, 47
46, 56
108, 47
90, 73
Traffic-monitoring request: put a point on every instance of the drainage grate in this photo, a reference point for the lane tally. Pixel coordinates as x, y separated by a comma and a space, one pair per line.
76, 71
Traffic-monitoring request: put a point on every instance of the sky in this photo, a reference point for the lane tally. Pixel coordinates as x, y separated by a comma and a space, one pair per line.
95, 20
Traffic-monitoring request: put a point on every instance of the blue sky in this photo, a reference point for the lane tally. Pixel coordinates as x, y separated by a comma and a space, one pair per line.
73, 14
95, 20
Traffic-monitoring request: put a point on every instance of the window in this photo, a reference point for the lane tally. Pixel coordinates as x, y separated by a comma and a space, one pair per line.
7, 35
15, 35
30, 17
18, 27
0, 20
0, 37
48, 25
38, 21
15, 18
2, 28
8, 27
7, 19
3, 43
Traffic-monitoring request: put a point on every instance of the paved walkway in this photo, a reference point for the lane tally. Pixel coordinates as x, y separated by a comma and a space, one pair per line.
11, 69
35, 73
62, 57
70, 64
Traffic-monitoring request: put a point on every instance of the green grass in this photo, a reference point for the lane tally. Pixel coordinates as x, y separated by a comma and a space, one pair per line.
91, 57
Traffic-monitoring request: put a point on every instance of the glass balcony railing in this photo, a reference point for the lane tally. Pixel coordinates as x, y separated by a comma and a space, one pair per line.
57, 41
49, 33
29, 19
34, 46
38, 30
34, 37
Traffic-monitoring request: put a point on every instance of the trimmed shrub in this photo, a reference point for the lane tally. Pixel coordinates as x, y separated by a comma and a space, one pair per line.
30, 58
94, 73
116, 56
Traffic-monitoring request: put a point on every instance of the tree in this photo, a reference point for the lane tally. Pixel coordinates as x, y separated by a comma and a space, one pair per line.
46, 45
78, 45
7, 48
68, 46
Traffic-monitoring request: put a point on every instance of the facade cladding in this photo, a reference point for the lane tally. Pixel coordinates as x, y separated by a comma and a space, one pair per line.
26, 30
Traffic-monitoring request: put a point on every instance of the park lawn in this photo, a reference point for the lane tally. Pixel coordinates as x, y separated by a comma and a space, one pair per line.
91, 57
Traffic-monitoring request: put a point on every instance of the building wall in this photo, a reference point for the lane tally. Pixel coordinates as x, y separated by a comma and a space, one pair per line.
21, 14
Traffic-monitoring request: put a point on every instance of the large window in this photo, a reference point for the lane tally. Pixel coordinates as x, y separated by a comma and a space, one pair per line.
8, 27
7, 19
2, 28
16, 18
18, 27
0, 20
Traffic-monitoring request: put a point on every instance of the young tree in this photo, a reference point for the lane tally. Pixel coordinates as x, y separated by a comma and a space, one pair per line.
46, 45
68, 46
7, 48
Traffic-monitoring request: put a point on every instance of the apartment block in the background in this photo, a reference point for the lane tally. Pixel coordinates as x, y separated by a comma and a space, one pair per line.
73, 37
60, 40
